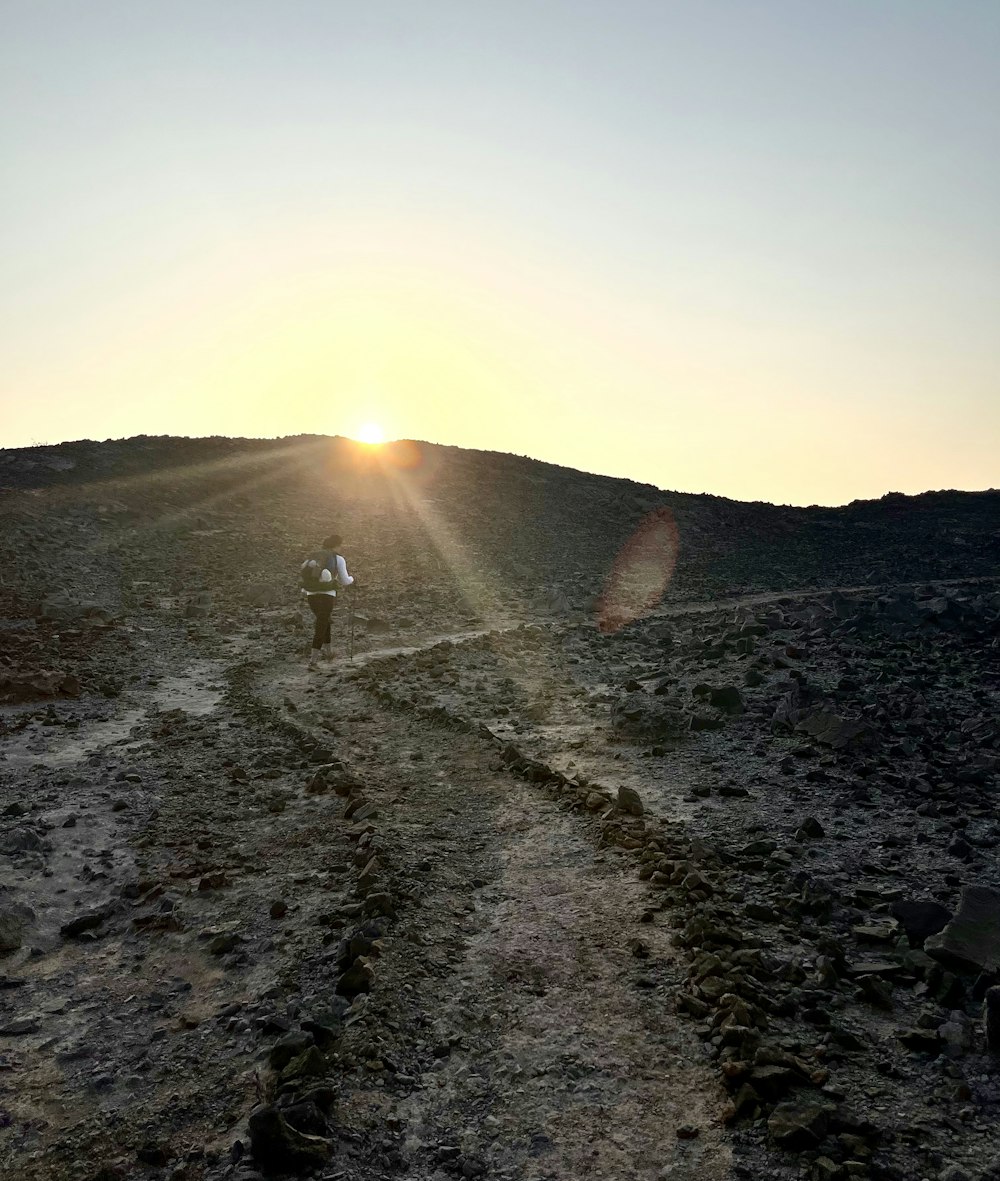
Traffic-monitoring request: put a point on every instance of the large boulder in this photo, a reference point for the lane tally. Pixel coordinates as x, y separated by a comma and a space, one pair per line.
899, 608
552, 601
970, 942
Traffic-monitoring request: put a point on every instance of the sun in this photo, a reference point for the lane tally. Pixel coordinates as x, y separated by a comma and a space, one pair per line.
371, 433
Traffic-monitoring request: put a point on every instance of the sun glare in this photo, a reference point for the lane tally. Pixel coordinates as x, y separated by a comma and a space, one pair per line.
371, 433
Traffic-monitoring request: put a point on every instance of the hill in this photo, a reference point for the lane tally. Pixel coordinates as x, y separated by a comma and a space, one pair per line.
431, 519
628, 833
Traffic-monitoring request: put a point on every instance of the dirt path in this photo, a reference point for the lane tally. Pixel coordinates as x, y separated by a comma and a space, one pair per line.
764, 597
533, 1041
511, 1030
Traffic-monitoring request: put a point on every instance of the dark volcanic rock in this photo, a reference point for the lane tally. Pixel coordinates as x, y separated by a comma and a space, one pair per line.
726, 698
649, 717
799, 1126
920, 1041
287, 1048
971, 940
920, 919
83, 922
834, 731
14, 921
279, 1147
21, 840
357, 979
629, 801
991, 1018
40, 683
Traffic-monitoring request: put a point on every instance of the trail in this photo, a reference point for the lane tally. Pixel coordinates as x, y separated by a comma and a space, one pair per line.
504, 623
526, 1038
564, 1057
760, 599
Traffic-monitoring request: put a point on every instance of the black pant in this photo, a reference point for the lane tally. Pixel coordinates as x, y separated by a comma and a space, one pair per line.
321, 606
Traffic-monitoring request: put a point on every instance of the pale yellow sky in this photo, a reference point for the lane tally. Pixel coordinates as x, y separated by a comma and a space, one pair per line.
757, 259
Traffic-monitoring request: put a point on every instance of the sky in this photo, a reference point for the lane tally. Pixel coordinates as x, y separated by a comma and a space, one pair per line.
748, 247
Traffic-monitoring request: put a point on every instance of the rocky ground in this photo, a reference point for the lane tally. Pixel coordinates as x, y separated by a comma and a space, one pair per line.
529, 888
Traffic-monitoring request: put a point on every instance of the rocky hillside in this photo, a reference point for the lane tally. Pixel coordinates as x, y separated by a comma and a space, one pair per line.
151, 524
630, 834
418, 516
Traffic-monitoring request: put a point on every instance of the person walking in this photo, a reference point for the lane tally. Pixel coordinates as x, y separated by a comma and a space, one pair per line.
322, 575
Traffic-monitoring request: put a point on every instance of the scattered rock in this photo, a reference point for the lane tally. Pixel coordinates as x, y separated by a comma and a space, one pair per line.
831, 730
88, 921
726, 698
991, 1018
21, 1026
357, 979
223, 943
21, 840
956, 1034
811, 829
26, 686
287, 1048
309, 1064
921, 1041
629, 801
799, 1126
154, 1153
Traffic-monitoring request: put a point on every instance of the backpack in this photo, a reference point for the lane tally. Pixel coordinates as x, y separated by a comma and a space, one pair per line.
319, 572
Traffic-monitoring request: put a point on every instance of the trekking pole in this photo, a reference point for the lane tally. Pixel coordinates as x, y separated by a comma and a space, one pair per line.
350, 625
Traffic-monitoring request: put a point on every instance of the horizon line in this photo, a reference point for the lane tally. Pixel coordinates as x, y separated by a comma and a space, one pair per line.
514, 454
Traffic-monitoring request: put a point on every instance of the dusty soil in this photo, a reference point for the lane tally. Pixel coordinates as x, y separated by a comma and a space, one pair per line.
505, 895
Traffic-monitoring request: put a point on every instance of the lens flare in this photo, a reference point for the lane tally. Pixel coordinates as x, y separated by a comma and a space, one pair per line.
641, 572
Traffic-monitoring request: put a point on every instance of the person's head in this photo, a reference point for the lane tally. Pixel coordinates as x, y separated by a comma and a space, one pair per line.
331, 542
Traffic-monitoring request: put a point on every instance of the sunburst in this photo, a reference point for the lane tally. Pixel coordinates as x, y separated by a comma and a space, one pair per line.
371, 433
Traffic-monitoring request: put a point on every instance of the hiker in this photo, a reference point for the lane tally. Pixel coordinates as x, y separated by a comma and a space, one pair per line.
322, 574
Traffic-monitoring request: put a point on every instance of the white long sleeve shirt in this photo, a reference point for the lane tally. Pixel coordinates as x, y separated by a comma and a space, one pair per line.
343, 578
